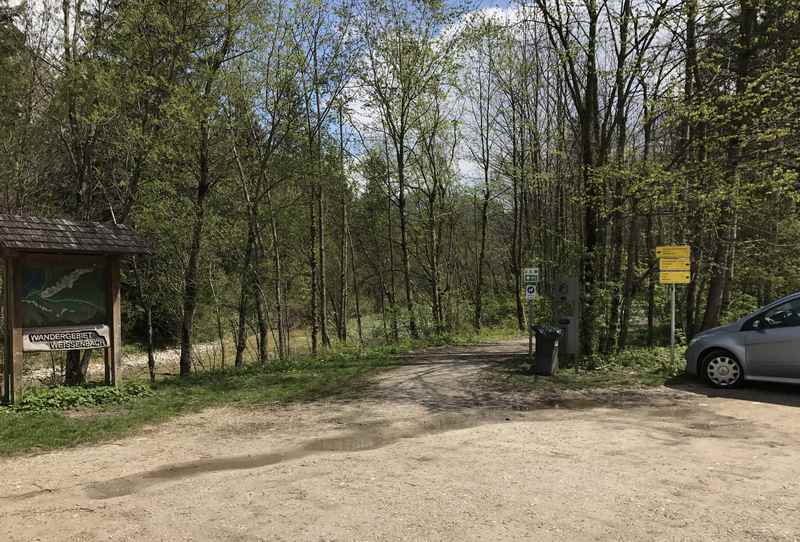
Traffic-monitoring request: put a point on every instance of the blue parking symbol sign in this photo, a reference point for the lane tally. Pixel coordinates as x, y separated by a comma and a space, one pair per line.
530, 292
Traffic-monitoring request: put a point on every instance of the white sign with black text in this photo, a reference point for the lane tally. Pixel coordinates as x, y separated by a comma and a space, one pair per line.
65, 338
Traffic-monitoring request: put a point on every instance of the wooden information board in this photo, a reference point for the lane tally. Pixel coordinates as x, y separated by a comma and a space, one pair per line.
62, 290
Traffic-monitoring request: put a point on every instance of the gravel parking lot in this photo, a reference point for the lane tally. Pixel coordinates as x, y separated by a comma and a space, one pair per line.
433, 452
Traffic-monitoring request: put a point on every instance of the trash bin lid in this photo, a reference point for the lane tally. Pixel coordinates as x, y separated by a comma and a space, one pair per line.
547, 331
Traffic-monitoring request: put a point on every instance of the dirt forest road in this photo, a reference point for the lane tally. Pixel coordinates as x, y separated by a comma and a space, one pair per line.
434, 452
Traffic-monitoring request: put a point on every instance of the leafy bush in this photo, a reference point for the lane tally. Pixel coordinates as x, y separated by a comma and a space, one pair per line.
65, 398
740, 305
644, 359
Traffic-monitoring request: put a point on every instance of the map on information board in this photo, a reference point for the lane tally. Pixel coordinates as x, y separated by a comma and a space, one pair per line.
62, 295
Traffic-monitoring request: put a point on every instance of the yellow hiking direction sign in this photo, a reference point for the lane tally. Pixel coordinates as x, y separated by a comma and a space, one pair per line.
674, 277
674, 267
674, 264
673, 251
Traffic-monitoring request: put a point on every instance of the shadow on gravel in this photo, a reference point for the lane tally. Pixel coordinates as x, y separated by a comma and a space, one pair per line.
459, 358
468, 397
757, 392
359, 440
450, 382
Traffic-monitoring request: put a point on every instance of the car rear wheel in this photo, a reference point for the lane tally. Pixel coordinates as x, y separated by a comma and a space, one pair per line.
722, 370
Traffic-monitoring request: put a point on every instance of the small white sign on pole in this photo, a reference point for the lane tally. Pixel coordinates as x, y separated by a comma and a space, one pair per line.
531, 275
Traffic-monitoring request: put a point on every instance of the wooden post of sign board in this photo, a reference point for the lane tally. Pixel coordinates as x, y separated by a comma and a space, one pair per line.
12, 371
113, 353
7, 328
108, 357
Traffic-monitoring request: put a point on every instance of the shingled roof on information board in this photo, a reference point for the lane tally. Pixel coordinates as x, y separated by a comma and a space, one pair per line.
32, 234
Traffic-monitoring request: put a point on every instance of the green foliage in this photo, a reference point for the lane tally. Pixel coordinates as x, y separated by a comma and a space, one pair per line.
648, 362
499, 311
635, 367
114, 129
66, 398
740, 306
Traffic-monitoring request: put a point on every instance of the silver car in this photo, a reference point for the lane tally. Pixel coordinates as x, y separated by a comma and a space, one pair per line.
764, 345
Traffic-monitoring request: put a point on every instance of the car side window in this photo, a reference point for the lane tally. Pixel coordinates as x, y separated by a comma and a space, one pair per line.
784, 315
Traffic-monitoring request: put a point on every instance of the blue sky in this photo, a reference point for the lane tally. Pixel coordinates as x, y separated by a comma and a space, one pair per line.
492, 4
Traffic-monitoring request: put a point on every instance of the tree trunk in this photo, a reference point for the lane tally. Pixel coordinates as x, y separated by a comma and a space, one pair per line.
651, 280
700, 289
691, 291
218, 314
343, 254
77, 366
244, 290
412, 321
323, 280
383, 297
277, 264
433, 249
312, 263
78, 151
716, 285
391, 294
344, 238
729, 268
725, 242
592, 244
148, 311
630, 280
190, 289
263, 323
519, 211
686, 139
476, 323
436, 307
355, 288
619, 185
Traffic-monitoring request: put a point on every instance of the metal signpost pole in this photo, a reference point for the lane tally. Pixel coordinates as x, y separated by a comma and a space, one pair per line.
674, 267
530, 329
531, 280
672, 329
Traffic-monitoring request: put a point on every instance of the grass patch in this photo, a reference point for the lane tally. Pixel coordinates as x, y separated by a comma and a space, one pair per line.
635, 367
52, 418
